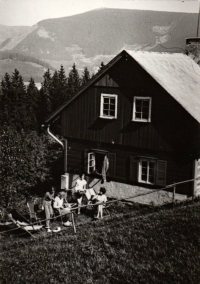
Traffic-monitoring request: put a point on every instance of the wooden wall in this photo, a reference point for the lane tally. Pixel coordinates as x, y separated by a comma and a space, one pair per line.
171, 127
172, 135
178, 168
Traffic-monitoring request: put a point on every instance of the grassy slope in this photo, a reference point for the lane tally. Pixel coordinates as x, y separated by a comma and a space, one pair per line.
160, 247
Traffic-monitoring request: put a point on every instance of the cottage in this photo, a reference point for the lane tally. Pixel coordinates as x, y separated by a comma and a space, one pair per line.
137, 122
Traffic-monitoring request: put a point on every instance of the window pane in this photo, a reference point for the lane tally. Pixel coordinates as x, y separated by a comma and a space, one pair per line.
105, 106
112, 107
112, 101
151, 179
146, 103
138, 115
144, 177
106, 100
144, 164
138, 109
105, 112
138, 103
112, 113
145, 115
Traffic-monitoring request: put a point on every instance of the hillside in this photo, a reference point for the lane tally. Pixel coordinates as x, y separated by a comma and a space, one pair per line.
159, 247
98, 35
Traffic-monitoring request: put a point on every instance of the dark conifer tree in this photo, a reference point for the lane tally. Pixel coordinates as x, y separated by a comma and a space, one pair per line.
6, 102
85, 76
45, 107
32, 104
102, 66
19, 108
73, 81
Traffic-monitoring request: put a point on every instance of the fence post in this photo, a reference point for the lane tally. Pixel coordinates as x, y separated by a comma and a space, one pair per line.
174, 193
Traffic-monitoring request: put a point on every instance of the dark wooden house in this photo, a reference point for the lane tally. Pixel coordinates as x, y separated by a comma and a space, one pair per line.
141, 112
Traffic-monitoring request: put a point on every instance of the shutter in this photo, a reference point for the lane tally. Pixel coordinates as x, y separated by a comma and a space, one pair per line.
112, 164
133, 168
161, 172
85, 161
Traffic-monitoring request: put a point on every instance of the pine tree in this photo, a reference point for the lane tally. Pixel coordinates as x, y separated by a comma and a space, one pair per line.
85, 76
19, 110
6, 102
73, 81
102, 66
45, 106
32, 104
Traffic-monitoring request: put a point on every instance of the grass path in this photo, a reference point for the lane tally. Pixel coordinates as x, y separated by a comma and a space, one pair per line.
159, 247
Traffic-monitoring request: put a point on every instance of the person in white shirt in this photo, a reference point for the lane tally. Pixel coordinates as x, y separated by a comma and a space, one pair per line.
63, 209
100, 198
80, 189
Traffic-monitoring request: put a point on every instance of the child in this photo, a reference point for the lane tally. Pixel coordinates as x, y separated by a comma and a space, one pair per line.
100, 198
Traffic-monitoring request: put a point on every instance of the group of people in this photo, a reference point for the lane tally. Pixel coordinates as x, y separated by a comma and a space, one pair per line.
53, 201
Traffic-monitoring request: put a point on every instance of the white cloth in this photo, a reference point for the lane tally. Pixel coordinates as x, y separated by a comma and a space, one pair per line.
58, 202
80, 185
101, 198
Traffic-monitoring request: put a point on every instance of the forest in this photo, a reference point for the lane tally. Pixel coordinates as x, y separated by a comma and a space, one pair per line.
29, 159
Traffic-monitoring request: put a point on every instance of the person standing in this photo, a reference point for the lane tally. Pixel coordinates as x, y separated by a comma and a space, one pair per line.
47, 203
80, 189
102, 199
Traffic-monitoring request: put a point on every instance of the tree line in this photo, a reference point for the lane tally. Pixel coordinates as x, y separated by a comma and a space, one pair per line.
27, 154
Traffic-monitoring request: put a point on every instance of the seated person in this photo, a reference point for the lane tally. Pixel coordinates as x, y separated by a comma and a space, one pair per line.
80, 189
63, 208
100, 198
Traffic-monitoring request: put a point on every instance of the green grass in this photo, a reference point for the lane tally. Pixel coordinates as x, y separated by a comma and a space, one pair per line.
156, 247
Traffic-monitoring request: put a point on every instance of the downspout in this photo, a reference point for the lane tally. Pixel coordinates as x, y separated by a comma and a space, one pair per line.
54, 137
64, 145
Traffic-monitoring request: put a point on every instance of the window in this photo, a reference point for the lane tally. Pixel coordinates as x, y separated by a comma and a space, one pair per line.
148, 170
91, 165
100, 162
142, 109
108, 106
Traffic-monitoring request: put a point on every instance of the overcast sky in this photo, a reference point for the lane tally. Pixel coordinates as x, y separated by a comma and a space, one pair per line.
29, 12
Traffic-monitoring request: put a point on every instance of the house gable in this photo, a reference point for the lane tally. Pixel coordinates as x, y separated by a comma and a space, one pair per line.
106, 81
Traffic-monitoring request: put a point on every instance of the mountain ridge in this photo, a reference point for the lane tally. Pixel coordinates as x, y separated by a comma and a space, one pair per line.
98, 35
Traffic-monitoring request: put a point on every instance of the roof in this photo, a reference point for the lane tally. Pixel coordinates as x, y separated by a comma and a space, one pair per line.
177, 73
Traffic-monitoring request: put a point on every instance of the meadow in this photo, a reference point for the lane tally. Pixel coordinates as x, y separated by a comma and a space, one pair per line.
135, 246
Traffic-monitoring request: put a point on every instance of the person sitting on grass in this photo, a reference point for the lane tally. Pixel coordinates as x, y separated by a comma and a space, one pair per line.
80, 189
100, 198
64, 209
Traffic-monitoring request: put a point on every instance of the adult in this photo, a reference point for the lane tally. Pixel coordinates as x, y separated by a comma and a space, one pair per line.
64, 209
47, 203
80, 189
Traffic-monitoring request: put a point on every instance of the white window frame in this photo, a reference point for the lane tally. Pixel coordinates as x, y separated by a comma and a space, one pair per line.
102, 115
134, 109
91, 158
140, 170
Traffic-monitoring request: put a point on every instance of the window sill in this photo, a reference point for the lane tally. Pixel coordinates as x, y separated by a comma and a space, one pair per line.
141, 120
107, 117
149, 183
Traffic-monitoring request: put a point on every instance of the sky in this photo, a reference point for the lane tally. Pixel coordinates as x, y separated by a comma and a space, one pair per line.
29, 12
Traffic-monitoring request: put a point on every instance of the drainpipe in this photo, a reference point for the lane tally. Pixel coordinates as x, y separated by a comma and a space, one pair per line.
54, 137
65, 177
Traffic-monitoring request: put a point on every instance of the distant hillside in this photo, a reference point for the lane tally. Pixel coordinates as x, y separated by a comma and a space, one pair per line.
95, 36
